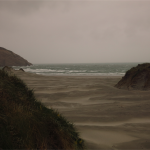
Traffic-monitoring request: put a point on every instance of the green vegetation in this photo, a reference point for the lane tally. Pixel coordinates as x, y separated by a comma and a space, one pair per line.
26, 123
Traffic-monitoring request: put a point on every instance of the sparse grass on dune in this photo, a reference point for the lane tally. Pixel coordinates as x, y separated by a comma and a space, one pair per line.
26, 123
136, 78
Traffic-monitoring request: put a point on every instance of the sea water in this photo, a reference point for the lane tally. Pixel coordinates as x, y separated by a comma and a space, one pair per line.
83, 69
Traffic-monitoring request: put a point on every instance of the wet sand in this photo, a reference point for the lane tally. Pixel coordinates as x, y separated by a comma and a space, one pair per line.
106, 117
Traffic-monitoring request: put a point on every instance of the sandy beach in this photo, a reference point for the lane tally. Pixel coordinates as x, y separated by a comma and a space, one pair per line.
106, 117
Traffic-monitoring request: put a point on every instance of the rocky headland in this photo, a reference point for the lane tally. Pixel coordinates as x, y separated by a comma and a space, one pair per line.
9, 58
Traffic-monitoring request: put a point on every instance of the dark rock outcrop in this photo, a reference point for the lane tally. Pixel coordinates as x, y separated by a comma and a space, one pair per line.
21, 70
8, 58
137, 78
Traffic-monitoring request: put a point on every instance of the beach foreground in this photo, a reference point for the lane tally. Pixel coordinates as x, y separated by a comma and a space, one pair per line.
106, 117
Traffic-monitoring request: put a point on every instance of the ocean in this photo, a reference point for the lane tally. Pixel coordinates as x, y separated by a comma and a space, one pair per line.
83, 69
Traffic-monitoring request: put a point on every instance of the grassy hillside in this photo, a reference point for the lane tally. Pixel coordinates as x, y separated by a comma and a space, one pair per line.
26, 123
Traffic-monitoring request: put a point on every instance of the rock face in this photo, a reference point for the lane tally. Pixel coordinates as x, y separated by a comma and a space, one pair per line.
137, 78
8, 58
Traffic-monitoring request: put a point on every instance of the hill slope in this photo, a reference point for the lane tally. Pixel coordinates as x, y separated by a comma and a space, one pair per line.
8, 58
26, 123
136, 78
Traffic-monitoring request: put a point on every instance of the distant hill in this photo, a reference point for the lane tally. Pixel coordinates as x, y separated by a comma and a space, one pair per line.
8, 58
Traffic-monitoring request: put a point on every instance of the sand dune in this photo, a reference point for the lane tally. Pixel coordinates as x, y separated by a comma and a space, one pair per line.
106, 117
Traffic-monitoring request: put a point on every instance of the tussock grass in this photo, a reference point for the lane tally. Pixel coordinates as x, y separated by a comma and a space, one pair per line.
26, 123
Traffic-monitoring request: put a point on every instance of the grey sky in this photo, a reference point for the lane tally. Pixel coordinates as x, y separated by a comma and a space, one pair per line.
78, 31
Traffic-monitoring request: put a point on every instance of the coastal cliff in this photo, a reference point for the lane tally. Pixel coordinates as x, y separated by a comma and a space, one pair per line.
8, 58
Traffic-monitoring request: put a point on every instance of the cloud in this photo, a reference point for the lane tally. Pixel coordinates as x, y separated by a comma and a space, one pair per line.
26, 7
76, 31
20, 7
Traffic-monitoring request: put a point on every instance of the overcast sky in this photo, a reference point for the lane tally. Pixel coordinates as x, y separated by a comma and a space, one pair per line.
76, 31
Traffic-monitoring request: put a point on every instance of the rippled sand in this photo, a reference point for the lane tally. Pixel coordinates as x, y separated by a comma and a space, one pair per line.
106, 117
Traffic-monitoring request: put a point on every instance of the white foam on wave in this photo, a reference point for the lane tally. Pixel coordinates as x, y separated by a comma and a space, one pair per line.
93, 71
78, 71
77, 74
39, 70
60, 71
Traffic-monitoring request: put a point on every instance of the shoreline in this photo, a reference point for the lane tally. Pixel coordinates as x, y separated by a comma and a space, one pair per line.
80, 75
104, 76
106, 117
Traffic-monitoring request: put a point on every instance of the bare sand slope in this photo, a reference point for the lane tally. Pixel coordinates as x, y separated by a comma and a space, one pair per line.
106, 117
